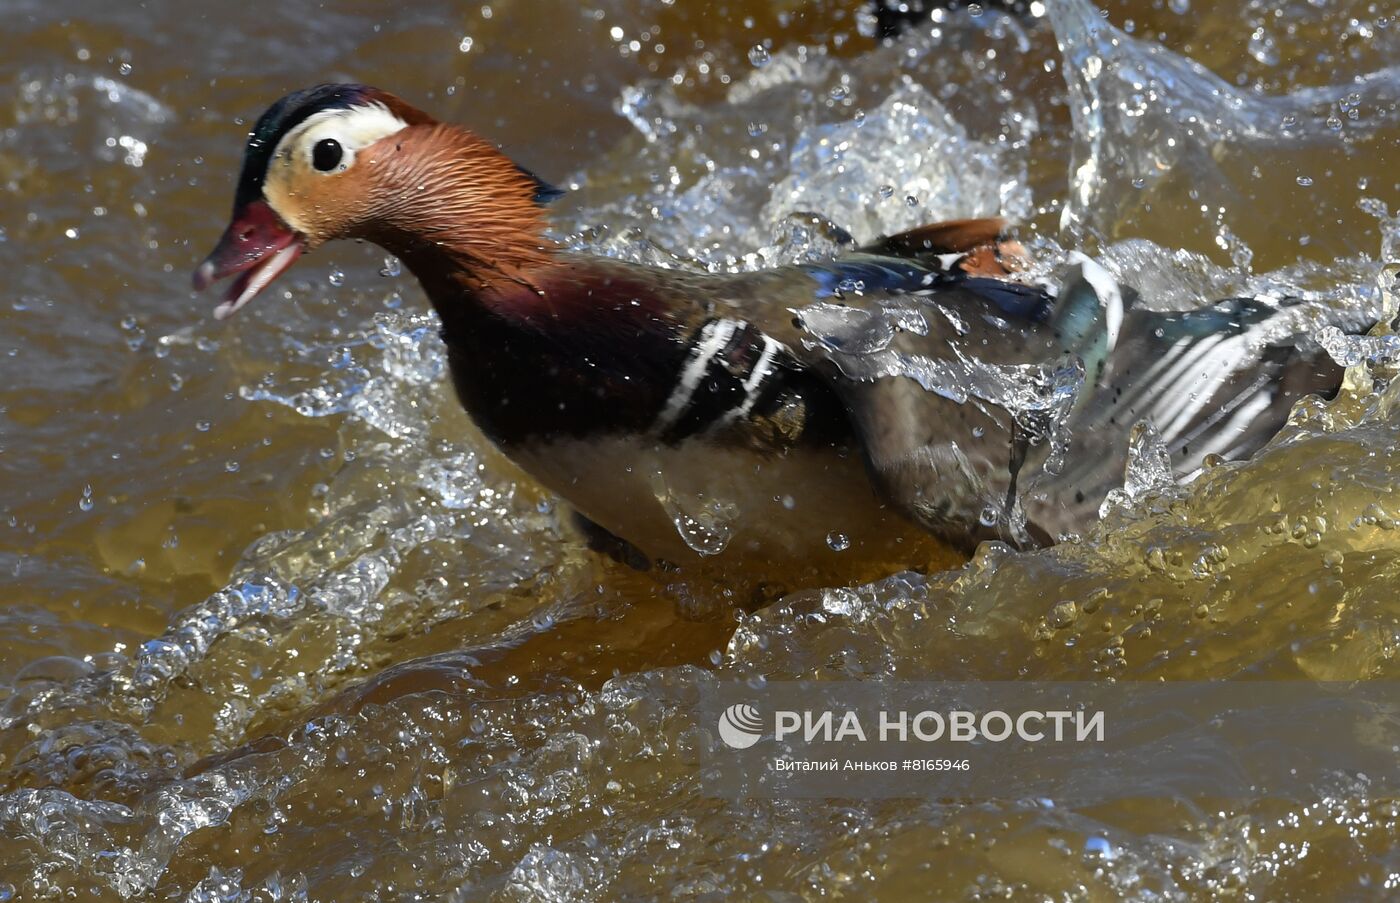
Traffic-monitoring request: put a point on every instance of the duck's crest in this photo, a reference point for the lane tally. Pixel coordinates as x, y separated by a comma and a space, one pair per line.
544, 192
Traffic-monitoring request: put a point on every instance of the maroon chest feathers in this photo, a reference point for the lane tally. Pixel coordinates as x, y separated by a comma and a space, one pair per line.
591, 348
559, 357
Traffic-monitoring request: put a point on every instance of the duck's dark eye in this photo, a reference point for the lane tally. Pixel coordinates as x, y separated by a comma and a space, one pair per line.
326, 155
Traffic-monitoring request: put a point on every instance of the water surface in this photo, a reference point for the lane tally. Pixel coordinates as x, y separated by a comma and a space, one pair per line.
279, 625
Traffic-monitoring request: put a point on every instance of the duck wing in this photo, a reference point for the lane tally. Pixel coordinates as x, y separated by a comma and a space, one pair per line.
989, 408
1220, 380
937, 360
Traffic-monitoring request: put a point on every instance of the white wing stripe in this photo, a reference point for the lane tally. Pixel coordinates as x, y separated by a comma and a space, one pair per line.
1108, 292
1220, 443
1141, 384
757, 375
1215, 371
713, 338
1173, 392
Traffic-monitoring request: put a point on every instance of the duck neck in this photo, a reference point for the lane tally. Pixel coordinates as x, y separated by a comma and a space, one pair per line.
461, 216
466, 288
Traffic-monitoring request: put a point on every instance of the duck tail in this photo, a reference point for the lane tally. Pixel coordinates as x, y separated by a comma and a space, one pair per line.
1219, 380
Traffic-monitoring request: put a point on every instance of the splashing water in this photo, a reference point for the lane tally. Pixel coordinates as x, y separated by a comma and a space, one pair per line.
705, 525
398, 694
1151, 126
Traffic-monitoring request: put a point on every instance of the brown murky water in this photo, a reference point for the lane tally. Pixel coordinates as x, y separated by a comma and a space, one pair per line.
278, 625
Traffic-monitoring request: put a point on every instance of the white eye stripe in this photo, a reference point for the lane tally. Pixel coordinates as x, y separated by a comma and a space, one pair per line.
353, 128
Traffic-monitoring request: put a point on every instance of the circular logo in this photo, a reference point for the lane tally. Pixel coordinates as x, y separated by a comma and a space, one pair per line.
740, 726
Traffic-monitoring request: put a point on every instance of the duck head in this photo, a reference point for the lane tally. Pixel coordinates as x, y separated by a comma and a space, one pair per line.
352, 161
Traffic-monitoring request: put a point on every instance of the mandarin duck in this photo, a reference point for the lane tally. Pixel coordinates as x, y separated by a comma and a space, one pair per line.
907, 386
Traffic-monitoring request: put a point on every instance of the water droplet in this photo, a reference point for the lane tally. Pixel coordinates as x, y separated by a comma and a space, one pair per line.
1305, 181
336, 277
838, 542
1098, 846
706, 525
1063, 614
231, 466
1263, 47
706, 537
886, 191
203, 425
391, 267
466, 44
124, 68
989, 516
759, 56
1149, 465
85, 503
136, 336
911, 201
840, 92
